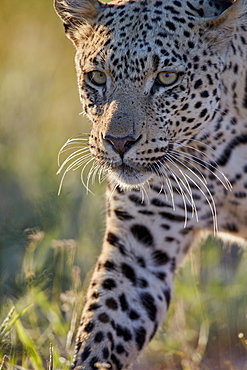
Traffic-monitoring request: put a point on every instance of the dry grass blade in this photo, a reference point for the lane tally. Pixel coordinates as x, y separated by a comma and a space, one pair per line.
50, 363
5, 323
4, 361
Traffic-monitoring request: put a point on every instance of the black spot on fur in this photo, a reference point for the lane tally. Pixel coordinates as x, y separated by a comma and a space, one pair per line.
142, 234
142, 283
197, 84
104, 318
111, 303
85, 353
171, 26
240, 194
109, 284
105, 353
172, 216
159, 203
200, 11
225, 156
116, 361
160, 257
137, 200
94, 306
129, 273
140, 337
95, 295
123, 332
154, 331
110, 337
148, 303
141, 262
120, 349
92, 363
204, 94
89, 327
145, 212
133, 315
203, 113
156, 61
123, 215
99, 336
114, 240
231, 227
160, 275
78, 346
167, 295
245, 92
123, 302
109, 265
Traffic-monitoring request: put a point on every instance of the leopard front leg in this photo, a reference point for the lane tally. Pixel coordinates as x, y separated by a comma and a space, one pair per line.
131, 287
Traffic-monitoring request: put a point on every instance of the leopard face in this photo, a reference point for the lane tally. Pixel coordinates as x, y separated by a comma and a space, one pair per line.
149, 80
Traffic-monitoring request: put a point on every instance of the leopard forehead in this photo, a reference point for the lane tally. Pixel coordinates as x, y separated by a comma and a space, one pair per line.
131, 34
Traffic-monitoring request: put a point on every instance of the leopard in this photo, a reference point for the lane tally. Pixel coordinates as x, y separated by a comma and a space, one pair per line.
164, 84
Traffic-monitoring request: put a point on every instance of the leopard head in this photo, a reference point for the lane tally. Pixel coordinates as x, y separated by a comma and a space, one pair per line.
149, 77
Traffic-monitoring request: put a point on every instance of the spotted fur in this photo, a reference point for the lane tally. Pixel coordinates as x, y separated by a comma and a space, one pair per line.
164, 83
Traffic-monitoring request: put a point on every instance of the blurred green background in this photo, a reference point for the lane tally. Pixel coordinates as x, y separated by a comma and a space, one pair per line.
49, 243
39, 111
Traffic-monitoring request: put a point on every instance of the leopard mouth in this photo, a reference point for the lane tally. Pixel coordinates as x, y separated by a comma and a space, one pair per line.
131, 176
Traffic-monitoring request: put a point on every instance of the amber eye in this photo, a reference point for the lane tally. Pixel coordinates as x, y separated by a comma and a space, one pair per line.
97, 77
167, 78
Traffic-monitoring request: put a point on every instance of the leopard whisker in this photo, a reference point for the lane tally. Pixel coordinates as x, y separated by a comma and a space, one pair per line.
177, 154
115, 185
180, 188
102, 175
96, 170
164, 176
183, 197
187, 187
92, 173
209, 198
74, 140
202, 163
155, 168
169, 184
82, 174
189, 197
144, 193
69, 147
213, 165
73, 166
78, 153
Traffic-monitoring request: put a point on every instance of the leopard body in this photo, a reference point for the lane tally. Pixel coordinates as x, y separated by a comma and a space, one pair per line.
164, 83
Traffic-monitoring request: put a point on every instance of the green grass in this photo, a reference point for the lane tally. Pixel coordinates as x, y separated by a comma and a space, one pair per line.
206, 325
48, 244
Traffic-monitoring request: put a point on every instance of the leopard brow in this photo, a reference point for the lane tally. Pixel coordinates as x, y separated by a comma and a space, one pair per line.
93, 67
97, 64
175, 69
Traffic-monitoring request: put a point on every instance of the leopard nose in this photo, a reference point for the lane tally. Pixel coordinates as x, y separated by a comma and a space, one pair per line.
122, 144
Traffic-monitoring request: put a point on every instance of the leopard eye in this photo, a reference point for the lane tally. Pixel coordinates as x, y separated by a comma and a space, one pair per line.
97, 77
167, 78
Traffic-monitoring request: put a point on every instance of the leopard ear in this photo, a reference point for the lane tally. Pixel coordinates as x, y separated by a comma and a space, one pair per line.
78, 16
218, 31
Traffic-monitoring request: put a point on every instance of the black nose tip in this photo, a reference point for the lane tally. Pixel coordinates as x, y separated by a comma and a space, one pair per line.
122, 144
